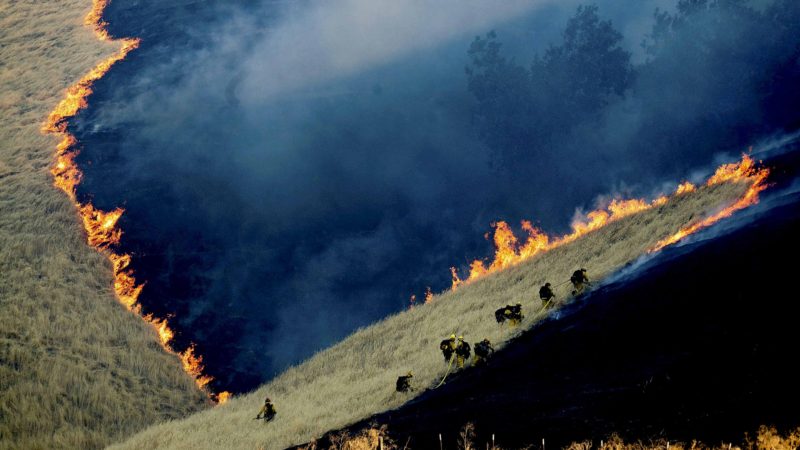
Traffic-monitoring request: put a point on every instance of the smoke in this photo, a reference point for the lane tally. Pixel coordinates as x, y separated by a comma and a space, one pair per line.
293, 171
328, 40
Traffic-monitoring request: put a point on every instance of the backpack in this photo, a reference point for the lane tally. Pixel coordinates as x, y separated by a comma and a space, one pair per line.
500, 315
483, 349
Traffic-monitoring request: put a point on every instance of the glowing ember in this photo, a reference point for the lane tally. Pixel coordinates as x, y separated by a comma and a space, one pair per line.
510, 252
101, 227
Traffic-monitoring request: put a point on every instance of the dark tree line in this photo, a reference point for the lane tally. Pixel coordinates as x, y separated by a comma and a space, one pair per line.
718, 74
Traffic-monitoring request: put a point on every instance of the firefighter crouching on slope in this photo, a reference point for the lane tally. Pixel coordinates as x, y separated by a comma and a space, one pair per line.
513, 314
267, 412
462, 352
547, 295
404, 382
483, 350
448, 347
579, 279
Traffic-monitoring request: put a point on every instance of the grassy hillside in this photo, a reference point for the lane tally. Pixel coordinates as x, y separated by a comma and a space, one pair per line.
355, 378
76, 369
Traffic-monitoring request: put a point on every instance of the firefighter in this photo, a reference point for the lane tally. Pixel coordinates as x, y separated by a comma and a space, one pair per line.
462, 352
546, 294
579, 279
448, 347
515, 314
267, 412
501, 314
483, 350
404, 382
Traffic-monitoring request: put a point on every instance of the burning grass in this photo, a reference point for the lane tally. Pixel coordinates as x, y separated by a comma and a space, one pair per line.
355, 378
76, 369
767, 438
510, 251
101, 227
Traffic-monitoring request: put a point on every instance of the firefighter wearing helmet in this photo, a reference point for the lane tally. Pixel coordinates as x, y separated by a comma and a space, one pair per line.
267, 412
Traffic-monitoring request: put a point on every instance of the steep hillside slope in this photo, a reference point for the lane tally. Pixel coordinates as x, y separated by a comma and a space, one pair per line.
355, 378
684, 346
76, 369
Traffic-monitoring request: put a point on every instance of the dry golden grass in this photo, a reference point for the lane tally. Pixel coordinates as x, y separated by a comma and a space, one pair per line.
767, 438
355, 378
76, 369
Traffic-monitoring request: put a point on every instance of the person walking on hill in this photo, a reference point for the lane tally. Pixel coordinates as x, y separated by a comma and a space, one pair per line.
267, 412
404, 382
579, 279
463, 352
547, 295
448, 347
483, 350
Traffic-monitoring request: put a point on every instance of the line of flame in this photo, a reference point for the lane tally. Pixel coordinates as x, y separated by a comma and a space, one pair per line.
101, 226
745, 169
510, 252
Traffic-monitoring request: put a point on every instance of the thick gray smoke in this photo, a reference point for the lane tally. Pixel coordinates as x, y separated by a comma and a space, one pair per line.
293, 171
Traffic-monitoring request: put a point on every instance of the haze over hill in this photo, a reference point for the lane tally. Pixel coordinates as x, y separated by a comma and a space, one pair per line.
277, 199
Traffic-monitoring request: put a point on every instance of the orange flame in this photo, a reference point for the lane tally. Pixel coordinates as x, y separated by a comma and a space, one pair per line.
744, 170
685, 188
510, 252
101, 227
223, 397
456, 280
193, 365
428, 295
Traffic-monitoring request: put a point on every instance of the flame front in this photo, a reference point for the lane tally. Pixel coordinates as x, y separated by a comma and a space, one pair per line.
685, 188
510, 252
101, 227
744, 170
